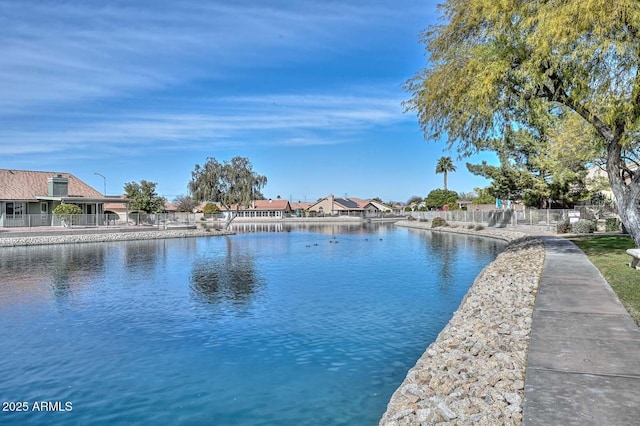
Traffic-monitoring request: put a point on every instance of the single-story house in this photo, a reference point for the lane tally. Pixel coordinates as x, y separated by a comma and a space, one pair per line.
28, 198
375, 208
300, 208
333, 206
274, 209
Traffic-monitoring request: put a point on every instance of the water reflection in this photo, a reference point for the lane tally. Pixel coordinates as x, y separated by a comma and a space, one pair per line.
63, 267
142, 255
231, 277
320, 228
317, 335
444, 252
243, 228
441, 245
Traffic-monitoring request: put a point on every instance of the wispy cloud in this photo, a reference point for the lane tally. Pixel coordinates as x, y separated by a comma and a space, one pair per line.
103, 79
272, 119
64, 53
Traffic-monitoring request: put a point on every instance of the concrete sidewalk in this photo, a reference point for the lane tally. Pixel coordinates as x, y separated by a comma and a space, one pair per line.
583, 366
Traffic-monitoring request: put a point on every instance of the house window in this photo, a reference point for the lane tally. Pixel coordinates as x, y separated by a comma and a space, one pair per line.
14, 210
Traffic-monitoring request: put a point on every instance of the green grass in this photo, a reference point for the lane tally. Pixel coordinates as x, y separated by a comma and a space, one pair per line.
608, 254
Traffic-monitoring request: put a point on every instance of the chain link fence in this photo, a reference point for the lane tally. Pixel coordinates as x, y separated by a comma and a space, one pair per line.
542, 218
160, 220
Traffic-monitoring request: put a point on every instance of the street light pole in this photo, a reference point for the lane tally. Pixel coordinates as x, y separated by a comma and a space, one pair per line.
105, 183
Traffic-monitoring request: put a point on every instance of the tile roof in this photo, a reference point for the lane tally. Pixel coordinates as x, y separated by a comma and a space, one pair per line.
116, 206
268, 205
170, 207
200, 207
360, 202
301, 205
27, 184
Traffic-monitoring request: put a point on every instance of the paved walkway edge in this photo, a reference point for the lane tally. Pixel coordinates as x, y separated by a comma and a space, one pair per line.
583, 362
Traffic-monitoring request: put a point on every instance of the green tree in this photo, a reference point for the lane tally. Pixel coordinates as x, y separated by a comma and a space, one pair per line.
229, 183
144, 196
495, 65
211, 208
444, 166
533, 170
66, 212
184, 203
483, 196
439, 198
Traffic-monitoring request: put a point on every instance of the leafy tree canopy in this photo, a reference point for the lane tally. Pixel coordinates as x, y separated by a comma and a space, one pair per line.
534, 170
144, 196
67, 209
211, 208
229, 182
66, 212
495, 65
438, 198
483, 196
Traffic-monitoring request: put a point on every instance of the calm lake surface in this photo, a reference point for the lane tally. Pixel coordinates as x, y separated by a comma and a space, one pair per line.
313, 325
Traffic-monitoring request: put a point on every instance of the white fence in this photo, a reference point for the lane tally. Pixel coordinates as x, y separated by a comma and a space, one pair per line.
90, 220
548, 218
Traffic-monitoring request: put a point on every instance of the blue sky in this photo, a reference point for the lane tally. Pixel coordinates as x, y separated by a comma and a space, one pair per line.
309, 91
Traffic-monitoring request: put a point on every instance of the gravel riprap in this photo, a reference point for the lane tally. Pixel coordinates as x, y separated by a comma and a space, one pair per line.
91, 237
473, 373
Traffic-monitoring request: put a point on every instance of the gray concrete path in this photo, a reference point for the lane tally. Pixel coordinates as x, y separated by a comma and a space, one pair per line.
583, 366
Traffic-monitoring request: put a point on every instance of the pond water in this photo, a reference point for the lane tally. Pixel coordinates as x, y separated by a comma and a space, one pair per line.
310, 325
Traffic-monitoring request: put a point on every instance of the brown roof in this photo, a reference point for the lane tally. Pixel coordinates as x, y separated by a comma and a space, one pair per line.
301, 205
268, 205
360, 202
27, 185
116, 206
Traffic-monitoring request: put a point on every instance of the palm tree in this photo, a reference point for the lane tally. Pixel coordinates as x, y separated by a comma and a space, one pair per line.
444, 166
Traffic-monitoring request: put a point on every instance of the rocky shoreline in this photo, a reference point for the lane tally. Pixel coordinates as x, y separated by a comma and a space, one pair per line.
70, 237
473, 373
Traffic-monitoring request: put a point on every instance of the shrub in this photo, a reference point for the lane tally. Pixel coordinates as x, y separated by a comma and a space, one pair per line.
583, 226
65, 213
470, 226
439, 198
438, 221
612, 224
479, 228
210, 208
563, 227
